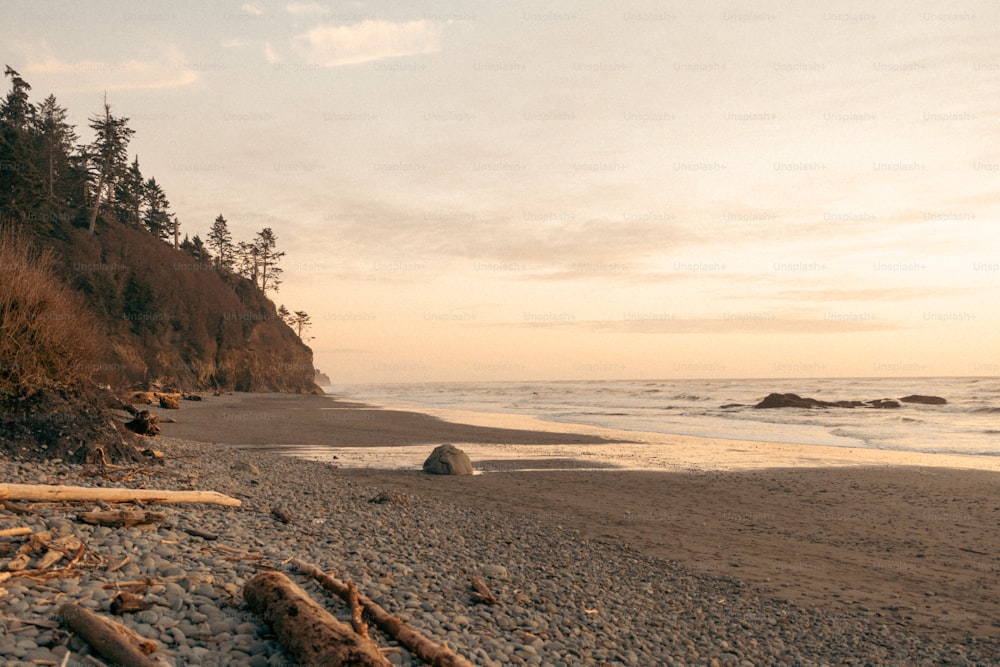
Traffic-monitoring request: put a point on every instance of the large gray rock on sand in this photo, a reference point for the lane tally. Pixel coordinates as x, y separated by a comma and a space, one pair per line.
448, 460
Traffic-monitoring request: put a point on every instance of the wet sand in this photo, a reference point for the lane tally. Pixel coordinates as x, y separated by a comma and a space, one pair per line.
911, 540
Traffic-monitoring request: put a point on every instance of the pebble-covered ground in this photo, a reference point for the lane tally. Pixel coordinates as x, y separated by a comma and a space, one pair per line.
563, 600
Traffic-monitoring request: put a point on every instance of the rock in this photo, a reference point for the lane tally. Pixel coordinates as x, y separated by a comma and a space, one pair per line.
244, 466
494, 571
883, 404
924, 400
796, 401
192, 397
144, 423
169, 402
448, 460
791, 401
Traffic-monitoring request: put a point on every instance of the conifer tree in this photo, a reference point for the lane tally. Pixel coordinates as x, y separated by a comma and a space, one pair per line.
130, 194
56, 139
107, 154
156, 216
221, 243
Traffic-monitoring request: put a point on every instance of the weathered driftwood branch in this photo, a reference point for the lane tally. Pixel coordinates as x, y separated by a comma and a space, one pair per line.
113, 495
112, 640
120, 518
429, 651
307, 631
357, 611
125, 601
14, 532
482, 593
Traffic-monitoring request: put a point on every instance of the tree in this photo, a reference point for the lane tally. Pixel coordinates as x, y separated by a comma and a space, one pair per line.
157, 217
300, 322
16, 109
221, 243
196, 248
175, 229
267, 259
247, 264
20, 188
55, 140
107, 154
130, 194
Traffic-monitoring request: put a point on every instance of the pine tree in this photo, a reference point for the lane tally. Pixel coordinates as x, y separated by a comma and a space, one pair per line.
267, 259
56, 140
107, 153
301, 322
21, 190
221, 243
130, 194
157, 216
16, 109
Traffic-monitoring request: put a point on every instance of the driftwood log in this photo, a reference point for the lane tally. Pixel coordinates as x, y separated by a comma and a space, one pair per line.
113, 641
308, 632
49, 492
120, 518
143, 423
429, 651
482, 593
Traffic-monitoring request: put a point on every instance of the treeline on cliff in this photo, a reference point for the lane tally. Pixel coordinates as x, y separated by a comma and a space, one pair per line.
156, 308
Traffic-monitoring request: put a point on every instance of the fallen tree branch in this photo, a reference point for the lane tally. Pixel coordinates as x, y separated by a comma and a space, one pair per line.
14, 532
482, 593
307, 631
357, 622
113, 495
112, 640
120, 518
422, 647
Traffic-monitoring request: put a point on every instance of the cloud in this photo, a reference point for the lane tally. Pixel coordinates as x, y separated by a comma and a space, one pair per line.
270, 54
335, 45
736, 322
235, 43
253, 8
305, 9
170, 71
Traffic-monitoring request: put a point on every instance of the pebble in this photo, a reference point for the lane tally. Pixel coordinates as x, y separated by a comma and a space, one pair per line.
417, 565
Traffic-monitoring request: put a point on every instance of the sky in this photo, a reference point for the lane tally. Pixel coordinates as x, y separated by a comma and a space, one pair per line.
483, 191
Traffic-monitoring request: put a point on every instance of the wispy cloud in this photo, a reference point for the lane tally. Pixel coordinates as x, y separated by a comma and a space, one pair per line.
735, 322
305, 9
170, 71
253, 8
335, 45
270, 54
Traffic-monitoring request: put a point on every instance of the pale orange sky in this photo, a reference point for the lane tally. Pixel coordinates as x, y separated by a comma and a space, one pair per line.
468, 191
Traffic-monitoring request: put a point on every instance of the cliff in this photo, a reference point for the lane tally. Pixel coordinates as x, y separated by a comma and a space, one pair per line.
171, 320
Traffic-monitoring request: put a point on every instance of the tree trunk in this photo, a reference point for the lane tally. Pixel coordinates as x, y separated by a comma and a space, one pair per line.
113, 641
57, 492
307, 631
422, 647
97, 204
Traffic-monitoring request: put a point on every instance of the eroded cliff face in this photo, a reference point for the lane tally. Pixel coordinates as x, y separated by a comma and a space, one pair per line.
172, 320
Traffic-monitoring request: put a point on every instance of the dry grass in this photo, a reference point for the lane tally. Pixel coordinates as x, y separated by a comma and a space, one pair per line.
47, 337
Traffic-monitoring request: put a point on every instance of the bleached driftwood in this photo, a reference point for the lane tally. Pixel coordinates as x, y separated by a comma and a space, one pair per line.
112, 495
112, 640
311, 634
427, 650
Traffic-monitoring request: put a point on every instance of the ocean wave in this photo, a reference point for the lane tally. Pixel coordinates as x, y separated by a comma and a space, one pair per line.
988, 411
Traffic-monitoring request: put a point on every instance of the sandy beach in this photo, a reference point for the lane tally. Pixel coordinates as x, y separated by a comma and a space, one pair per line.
911, 540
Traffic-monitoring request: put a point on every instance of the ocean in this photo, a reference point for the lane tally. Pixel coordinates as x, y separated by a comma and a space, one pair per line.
969, 424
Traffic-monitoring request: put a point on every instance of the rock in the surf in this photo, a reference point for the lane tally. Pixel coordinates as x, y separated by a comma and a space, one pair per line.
924, 400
